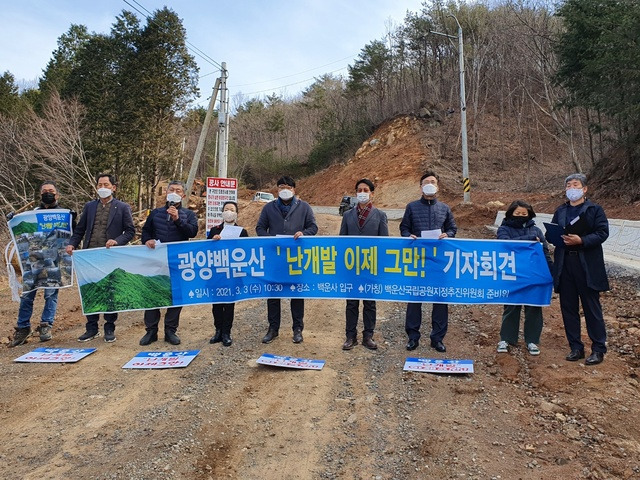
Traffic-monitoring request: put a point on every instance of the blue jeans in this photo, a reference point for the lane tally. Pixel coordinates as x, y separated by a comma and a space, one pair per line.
26, 307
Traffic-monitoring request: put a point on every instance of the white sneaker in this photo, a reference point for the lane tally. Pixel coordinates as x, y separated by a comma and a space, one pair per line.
503, 347
533, 349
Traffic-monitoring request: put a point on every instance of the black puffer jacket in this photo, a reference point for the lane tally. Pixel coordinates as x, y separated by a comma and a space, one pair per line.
427, 215
159, 227
516, 229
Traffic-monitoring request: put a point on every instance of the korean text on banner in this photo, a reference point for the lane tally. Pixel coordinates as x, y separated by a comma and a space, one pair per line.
41, 237
370, 268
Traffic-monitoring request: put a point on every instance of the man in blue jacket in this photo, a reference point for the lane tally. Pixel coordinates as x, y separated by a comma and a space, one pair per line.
170, 223
48, 200
427, 214
105, 222
579, 272
287, 215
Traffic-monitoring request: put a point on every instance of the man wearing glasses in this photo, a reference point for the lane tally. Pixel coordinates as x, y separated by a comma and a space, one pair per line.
287, 215
427, 217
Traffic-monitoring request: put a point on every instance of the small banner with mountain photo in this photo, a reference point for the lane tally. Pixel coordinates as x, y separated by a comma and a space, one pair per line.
347, 267
39, 240
119, 279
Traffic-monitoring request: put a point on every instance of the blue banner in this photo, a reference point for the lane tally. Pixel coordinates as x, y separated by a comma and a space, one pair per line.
370, 268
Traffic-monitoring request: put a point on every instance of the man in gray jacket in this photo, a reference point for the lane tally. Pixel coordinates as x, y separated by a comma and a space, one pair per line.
368, 221
427, 214
287, 215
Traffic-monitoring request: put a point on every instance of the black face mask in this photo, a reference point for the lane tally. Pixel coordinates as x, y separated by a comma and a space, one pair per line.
48, 198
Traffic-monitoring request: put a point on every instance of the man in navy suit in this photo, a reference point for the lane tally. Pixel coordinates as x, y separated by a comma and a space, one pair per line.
104, 222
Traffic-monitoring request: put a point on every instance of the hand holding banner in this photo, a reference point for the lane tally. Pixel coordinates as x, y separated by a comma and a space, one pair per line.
368, 268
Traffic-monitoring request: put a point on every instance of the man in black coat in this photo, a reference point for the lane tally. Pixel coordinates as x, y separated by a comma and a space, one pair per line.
104, 222
170, 223
579, 272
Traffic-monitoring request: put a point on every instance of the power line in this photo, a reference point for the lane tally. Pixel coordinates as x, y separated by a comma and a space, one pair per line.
142, 10
208, 74
290, 84
295, 74
193, 48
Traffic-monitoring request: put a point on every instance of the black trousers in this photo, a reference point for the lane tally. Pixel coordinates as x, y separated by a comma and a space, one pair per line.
171, 319
297, 313
439, 321
223, 316
109, 320
368, 317
574, 289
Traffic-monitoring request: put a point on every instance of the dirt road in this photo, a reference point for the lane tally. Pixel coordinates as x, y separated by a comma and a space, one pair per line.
360, 417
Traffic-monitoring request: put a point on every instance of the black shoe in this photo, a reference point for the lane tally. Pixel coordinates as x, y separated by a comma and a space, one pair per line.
297, 336
149, 337
594, 359
109, 334
271, 334
349, 343
369, 343
439, 346
412, 344
20, 336
226, 339
575, 355
217, 337
88, 335
171, 337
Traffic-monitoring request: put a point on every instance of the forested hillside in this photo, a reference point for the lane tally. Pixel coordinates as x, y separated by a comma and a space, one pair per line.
544, 82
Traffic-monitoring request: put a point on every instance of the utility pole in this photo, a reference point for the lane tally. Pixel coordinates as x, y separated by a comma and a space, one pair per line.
466, 184
201, 142
223, 123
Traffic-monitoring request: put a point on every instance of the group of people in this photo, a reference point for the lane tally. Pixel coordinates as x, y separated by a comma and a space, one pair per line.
108, 222
578, 270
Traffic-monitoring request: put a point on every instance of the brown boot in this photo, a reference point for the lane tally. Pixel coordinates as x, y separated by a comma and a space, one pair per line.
349, 343
369, 343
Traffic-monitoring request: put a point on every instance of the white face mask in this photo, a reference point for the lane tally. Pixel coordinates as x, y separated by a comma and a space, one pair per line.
363, 197
574, 194
104, 192
285, 194
429, 189
174, 198
229, 217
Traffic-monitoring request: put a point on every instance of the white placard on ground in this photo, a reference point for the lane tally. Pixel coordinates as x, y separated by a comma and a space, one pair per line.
290, 362
162, 359
55, 355
438, 365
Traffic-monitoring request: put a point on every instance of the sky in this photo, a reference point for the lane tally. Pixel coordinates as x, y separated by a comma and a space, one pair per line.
269, 46
93, 264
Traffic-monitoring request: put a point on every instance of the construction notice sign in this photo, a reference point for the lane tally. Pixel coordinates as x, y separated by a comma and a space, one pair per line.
219, 190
